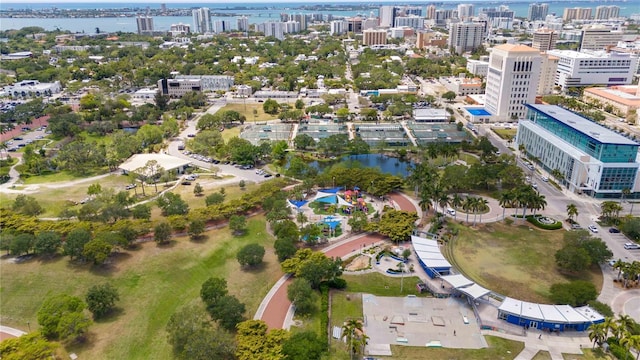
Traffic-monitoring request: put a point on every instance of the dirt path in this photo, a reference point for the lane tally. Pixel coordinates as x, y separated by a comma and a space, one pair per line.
277, 307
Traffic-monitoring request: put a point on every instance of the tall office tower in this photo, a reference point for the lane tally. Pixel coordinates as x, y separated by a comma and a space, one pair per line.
374, 37
465, 11
387, 16
538, 11
243, 23
201, 20
414, 22
544, 39
512, 81
291, 27
598, 37
465, 37
499, 18
145, 24
431, 12
576, 14
220, 26
412, 10
369, 23
548, 68
338, 27
607, 12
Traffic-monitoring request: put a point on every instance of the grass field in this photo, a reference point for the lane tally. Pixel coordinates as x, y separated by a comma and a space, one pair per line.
210, 186
230, 133
513, 260
505, 134
153, 283
542, 355
247, 111
54, 199
381, 285
499, 348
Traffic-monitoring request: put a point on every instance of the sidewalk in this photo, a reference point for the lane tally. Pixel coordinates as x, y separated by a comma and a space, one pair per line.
536, 340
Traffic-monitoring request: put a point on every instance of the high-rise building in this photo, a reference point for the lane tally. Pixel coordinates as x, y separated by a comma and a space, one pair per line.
145, 24
338, 27
243, 23
272, 28
544, 39
201, 20
387, 15
512, 81
431, 12
426, 38
163, 8
598, 37
369, 23
592, 159
465, 37
548, 68
180, 29
302, 19
220, 26
374, 37
465, 11
443, 15
607, 12
576, 14
585, 68
499, 18
538, 12
412, 10
414, 22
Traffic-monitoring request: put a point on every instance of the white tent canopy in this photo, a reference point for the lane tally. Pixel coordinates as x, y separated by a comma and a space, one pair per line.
474, 291
457, 281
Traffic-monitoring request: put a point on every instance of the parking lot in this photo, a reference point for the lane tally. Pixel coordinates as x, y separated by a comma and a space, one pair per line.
29, 134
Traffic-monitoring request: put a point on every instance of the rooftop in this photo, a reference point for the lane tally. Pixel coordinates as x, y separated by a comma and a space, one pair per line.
515, 48
136, 163
583, 125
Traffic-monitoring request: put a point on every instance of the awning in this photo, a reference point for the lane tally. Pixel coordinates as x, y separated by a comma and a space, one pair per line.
474, 291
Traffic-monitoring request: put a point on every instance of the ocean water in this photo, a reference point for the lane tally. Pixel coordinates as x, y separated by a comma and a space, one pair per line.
256, 12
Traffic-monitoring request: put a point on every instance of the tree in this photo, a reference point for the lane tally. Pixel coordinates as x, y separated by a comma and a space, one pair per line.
212, 290
358, 222
101, 299
27, 205
597, 333
302, 296
250, 255
21, 244
271, 107
61, 317
94, 189
575, 293
192, 337
304, 345
214, 199
198, 190
97, 251
172, 204
242, 184
299, 104
572, 258
196, 229
75, 241
303, 142
449, 96
238, 224
353, 333
255, 341
398, 225
28, 346
228, 311
315, 267
162, 233
142, 211
572, 211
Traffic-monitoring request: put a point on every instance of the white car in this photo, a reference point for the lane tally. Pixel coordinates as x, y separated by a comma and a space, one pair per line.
631, 246
451, 212
545, 179
593, 229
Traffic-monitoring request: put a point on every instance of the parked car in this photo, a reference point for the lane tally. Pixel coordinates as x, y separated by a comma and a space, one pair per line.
451, 212
191, 135
185, 182
545, 179
593, 229
614, 230
631, 246
190, 178
268, 175
130, 186
576, 227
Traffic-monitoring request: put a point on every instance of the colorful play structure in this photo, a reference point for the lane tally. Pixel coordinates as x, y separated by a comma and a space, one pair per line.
348, 201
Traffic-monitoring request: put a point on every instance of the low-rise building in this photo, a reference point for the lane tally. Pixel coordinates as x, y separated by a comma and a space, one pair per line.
577, 69
462, 86
176, 88
275, 94
211, 82
430, 115
478, 67
145, 95
622, 99
33, 88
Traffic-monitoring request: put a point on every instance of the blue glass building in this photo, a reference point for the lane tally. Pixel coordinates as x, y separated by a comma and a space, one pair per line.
591, 158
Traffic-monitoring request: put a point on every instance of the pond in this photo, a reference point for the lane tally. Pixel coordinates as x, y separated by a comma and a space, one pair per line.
386, 164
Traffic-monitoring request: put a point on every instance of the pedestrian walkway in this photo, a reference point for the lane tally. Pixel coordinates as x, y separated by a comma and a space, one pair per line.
8, 332
535, 340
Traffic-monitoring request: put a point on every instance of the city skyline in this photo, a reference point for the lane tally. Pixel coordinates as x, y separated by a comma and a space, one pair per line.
285, 1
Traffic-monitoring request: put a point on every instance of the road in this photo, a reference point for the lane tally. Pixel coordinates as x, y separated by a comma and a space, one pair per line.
240, 174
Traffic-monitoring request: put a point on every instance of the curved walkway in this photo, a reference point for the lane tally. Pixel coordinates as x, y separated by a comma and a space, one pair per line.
277, 311
8, 332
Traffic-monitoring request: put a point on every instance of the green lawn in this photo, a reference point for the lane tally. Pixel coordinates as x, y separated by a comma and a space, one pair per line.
343, 309
153, 283
381, 285
247, 111
60, 176
542, 355
232, 191
499, 348
230, 133
505, 134
588, 354
515, 261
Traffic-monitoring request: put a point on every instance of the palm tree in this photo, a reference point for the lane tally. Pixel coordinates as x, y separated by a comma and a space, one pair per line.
572, 210
444, 201
483, 204
597, 333
456, 202
425, 201
619, 265
631, 341
625, 192
538, 202
506, 197
302, 218
352, 332
625, 323
475, 206
525, 199
467, 206
436, 193
610, 325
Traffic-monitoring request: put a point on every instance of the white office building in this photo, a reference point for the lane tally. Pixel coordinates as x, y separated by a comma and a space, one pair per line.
387, 15
592, 159
544, 39
338, 27
32, 88
272, 28
604, 12
242, 23
465, 37
176, 88
478, 67
538, 12
414, 22
211, 82
599, 37
465, 11
548, 69
586, 68
512, 81
201, 20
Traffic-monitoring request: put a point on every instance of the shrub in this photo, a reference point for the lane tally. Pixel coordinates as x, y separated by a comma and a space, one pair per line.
337, 283
534, 220
619, 352
602, 308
